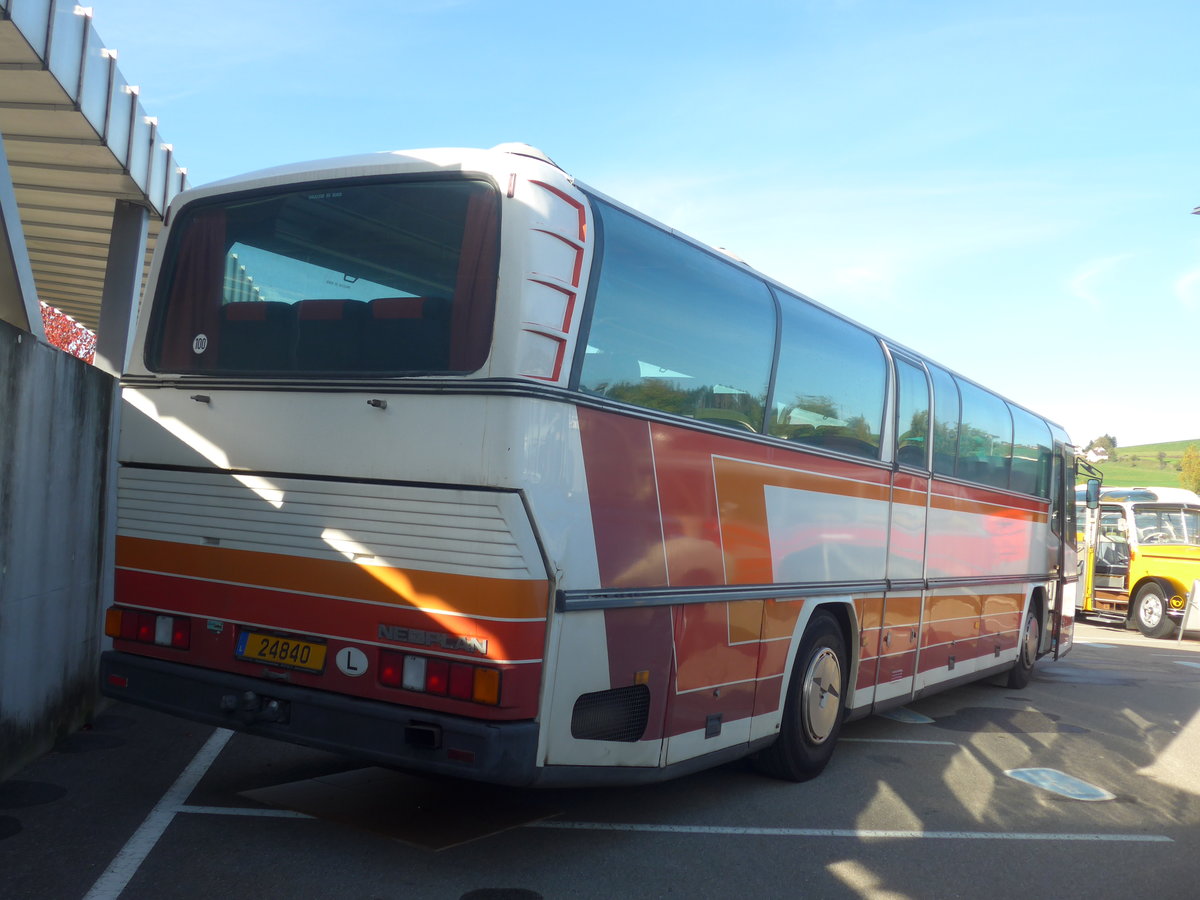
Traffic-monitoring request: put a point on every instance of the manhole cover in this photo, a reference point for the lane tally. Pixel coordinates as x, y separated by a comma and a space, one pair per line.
1061, 783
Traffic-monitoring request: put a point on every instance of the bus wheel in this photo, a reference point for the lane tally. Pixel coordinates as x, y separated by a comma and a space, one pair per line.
814, 709
1027, 650
1150, 611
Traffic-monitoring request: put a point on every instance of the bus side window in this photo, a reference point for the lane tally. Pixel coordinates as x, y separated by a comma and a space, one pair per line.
1031, 454
947, 410
912, 415
985, 437
677, 329
830, 386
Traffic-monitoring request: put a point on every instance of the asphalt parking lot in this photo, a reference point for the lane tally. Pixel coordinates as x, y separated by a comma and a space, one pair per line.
1087, 782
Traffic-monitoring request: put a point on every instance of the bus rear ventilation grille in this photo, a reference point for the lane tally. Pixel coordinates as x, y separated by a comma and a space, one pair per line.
619, 714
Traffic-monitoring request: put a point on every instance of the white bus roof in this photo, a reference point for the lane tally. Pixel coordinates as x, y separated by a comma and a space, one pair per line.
1148, 495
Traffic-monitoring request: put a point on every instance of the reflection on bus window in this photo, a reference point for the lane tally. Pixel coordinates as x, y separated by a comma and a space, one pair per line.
1032, 454
912, 415
829, 390
947, 412
984, 438
676, 329
1163, 525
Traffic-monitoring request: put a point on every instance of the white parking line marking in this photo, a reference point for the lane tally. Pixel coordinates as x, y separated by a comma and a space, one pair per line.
1181, 662
860, 833
119, 872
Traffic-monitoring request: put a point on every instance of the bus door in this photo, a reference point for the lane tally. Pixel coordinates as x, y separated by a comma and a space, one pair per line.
900, 624
1112, 551
1063, 527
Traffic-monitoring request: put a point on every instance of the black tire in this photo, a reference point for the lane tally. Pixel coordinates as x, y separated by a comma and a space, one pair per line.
1027, 649
815, 706
1150, 611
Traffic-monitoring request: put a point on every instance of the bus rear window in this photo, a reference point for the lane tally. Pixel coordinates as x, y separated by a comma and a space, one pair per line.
349, 279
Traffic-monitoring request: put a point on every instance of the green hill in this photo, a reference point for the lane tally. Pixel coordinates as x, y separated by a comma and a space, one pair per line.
1141, 466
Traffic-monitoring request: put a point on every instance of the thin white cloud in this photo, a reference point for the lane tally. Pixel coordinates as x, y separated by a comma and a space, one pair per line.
1089, 281
1187, 289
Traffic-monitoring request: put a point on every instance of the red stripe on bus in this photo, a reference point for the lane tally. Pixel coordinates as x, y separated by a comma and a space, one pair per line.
946, 494
641, 649
619, 465
691, 712
344, 619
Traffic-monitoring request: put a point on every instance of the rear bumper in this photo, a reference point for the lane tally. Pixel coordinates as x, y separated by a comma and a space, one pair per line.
404, 737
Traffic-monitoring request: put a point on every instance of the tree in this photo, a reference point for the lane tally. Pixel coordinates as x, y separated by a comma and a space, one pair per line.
1162, 459
1189, 475
68, 335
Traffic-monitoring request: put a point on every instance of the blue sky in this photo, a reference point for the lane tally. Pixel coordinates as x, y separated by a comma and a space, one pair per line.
1004, 187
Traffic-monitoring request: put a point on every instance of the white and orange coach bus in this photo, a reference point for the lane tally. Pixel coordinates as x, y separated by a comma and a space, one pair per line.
443, 460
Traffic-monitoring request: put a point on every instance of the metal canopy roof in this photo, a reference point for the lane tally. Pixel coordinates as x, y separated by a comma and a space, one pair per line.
76, 140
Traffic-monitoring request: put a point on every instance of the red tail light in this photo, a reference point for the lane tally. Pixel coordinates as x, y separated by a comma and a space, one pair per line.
148, 628
437, 676
181, 633
432, 675
461, 679
390, 667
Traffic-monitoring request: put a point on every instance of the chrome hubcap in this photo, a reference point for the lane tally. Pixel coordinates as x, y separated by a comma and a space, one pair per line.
1029, 646
822, 702
1151, 611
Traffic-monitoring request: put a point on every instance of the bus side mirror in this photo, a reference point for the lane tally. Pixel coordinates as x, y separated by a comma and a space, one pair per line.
1093, 493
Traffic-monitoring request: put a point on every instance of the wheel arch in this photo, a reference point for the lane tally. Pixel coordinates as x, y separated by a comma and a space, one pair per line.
845, 614
805, 732
1039, 600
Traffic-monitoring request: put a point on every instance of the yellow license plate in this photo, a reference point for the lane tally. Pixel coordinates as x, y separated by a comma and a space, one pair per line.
281, 651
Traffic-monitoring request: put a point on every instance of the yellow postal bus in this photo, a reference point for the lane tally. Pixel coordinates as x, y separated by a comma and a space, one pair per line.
1147, 556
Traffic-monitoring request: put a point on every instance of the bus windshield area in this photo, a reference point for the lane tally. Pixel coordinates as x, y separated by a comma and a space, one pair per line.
1166, 525
344, 279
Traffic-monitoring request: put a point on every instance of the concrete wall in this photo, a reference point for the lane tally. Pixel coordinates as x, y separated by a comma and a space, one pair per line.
54, 439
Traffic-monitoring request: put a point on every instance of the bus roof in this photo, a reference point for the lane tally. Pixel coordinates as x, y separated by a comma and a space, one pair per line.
475, 159
1147, 495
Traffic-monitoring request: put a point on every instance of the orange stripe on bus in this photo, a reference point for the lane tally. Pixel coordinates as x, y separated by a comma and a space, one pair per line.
980, 508
908, 498
743, 513
901, 611
440, 591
